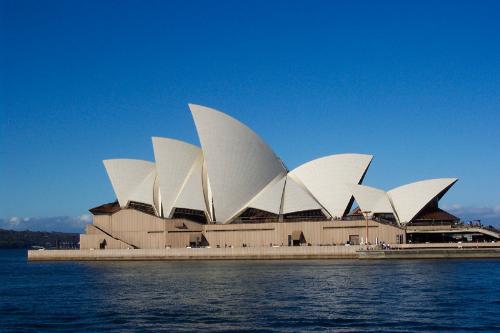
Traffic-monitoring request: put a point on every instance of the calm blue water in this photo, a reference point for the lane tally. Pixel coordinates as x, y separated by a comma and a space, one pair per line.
274, 296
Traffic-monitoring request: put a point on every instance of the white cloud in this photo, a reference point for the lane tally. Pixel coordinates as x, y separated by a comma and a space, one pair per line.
55, 223
487, 215
14, 221
87, 218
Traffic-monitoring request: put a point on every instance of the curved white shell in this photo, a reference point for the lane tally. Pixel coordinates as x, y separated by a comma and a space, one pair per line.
239, 163
408, 200
328, 179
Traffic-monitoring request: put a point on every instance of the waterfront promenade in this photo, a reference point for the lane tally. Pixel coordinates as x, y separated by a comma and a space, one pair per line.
402, 251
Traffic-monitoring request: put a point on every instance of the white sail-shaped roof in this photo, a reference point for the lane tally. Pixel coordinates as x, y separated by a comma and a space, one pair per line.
207, 191
174, 161
191, 195
157, 195
408, 200
372, 199
328, 179
239, 163
296, 198
270, 197
132, 180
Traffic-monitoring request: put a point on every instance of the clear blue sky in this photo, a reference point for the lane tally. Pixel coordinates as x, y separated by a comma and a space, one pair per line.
416, 84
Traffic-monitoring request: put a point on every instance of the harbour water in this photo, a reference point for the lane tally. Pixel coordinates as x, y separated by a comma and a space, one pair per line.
266, 296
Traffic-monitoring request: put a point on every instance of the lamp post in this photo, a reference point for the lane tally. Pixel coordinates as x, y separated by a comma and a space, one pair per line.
365, 213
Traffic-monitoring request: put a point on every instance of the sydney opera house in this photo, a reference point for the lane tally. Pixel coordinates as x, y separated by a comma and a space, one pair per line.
234, 191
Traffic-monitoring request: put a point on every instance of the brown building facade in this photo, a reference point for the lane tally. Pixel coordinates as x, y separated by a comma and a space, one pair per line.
131, 228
